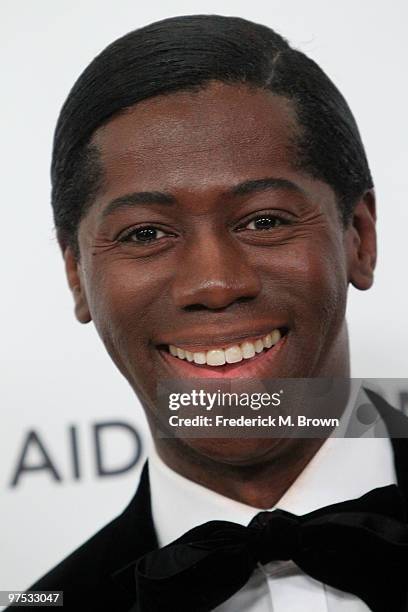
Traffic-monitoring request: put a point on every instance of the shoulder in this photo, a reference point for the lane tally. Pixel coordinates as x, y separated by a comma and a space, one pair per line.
86, 576
84, 571
395, 420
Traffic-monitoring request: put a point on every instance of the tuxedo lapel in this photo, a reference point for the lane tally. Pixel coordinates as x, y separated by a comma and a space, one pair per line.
137, 536
397, 426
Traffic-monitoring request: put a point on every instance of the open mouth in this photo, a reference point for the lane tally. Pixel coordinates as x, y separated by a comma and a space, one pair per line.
227, 359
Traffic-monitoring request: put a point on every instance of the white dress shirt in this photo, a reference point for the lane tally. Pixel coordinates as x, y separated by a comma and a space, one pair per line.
343, 468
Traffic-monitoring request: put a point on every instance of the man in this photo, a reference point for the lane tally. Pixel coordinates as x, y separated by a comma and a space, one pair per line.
213, 202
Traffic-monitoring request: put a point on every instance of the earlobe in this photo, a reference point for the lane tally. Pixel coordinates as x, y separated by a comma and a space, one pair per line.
362, 242
76, 284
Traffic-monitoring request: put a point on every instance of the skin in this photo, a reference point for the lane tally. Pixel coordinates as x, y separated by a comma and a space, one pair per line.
210, 276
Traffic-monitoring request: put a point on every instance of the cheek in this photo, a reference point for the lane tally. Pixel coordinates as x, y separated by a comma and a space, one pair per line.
323, 283
125, 298
309, 278
323, 279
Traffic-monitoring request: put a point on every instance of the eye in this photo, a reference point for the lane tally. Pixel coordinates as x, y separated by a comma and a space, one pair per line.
143, 235
266, 222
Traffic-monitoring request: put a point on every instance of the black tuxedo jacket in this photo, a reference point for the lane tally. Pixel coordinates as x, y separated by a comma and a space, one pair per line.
99, 575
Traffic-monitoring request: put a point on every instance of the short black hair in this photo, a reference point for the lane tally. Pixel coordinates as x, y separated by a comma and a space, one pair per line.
186, 53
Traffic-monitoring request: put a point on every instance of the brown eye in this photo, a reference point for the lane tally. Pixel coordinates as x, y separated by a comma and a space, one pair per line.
144, 234
265, 223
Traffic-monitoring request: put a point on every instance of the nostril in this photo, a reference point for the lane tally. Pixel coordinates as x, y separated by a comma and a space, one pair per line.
195, 307
199, 307
211, 291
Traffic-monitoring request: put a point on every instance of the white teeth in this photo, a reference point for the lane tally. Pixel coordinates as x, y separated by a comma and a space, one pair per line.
267, 341
259, 346
232, 354
275, 336
248, 349
199, 358
180, 353
216, 357
173, 350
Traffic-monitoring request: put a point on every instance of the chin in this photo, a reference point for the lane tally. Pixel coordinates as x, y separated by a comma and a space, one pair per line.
236, 451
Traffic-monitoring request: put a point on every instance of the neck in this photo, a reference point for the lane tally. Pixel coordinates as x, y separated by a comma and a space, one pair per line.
259, 483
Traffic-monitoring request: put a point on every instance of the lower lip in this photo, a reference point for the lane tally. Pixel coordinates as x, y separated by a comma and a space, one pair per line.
255, 367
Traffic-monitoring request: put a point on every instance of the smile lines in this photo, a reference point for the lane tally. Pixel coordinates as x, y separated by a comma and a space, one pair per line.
230, 354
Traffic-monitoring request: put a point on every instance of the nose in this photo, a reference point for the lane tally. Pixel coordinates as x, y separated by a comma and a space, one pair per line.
214, 273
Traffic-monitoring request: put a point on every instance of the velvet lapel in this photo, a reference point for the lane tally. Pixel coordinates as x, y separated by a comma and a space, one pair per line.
138, 537
397, 425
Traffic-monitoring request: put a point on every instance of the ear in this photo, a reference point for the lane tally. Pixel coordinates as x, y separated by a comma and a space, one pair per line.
361, 242
76, 284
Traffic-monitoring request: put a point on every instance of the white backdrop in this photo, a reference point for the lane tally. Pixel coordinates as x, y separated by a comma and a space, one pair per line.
57, 384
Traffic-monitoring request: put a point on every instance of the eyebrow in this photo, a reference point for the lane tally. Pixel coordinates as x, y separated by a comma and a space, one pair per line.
265, 184
158, 197
139, 197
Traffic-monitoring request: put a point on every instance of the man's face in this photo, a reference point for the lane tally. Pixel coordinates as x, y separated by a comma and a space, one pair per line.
204, 236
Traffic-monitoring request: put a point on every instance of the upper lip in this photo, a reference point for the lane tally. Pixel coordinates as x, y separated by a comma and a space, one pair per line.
203, 341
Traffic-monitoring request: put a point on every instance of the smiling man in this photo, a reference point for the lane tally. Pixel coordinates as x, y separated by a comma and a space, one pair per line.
213, 203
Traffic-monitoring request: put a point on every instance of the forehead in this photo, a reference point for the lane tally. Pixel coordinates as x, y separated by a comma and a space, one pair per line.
219, 135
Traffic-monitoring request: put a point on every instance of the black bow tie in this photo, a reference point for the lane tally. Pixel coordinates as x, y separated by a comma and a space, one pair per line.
358, 546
